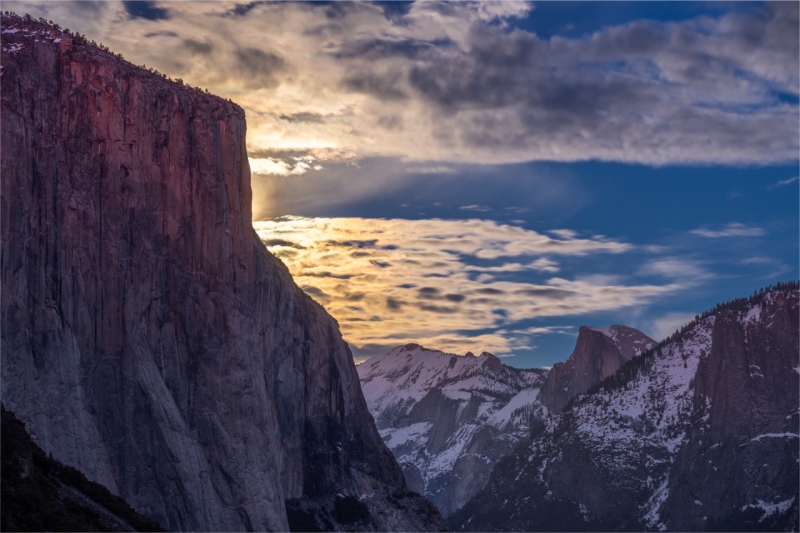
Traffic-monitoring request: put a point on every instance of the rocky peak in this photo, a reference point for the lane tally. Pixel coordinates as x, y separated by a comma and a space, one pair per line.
599, 353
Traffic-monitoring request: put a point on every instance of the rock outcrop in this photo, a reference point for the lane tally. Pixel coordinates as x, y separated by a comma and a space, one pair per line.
740, 461
148, 337
448, 419
599, 353
700, 433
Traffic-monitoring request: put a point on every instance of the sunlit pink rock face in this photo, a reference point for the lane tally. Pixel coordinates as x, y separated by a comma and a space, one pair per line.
148, 337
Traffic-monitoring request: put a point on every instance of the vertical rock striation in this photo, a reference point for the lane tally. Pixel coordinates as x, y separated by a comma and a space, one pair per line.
148, 337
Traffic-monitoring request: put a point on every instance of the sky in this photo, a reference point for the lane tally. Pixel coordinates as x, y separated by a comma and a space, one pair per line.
490, 176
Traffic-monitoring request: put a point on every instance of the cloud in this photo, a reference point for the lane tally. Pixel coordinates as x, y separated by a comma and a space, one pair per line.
417, 278
442, 83
564, 233
268, 165
475, 207
259, 69
674, 268
665, 325
734, 229
436, 169
783, 183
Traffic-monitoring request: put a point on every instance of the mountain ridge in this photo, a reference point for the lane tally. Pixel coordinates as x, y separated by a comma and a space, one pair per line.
448, 419
685, 437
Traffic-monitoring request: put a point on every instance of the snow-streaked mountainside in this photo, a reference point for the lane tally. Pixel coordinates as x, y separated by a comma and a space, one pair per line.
700, 433
449, 418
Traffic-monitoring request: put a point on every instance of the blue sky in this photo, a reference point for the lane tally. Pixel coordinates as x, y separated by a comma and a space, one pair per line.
493, 175
725, 231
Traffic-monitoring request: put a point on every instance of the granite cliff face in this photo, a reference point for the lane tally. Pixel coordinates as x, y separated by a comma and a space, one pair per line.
599, 353
699, 434
148, 337
448, 419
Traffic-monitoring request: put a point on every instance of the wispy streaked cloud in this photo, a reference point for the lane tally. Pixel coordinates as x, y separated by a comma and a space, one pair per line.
783, 183
475, 207
674, 268
435, 169
458, 83
295, 166
733, 229
394, 281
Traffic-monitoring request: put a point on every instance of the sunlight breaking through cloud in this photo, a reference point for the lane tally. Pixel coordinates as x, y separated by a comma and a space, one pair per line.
445, 283
459, 82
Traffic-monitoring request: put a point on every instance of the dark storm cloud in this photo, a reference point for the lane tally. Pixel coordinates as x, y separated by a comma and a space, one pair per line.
355, 243
489, 290
315, 292
665, 87
329, 275
493, 49
278, 154
197, 47
304, 117
553, 294
281, 242
391, 122
382, 85
145, 10
437, 309
259, 68
336, 10
373, 49
161, 34
637, 38
354, 297
393, 304
428, 293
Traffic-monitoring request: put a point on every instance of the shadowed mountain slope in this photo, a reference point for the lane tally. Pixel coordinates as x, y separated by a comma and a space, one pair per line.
698, 434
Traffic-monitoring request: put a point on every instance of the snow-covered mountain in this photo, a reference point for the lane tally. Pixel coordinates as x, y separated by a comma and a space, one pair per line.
700, 433
448, 419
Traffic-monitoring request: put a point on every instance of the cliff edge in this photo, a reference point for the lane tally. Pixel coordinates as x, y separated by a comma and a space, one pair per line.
598, 354
148, 337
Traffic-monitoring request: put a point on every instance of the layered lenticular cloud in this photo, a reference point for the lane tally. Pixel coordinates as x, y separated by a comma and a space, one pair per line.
460, 82
445, 283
